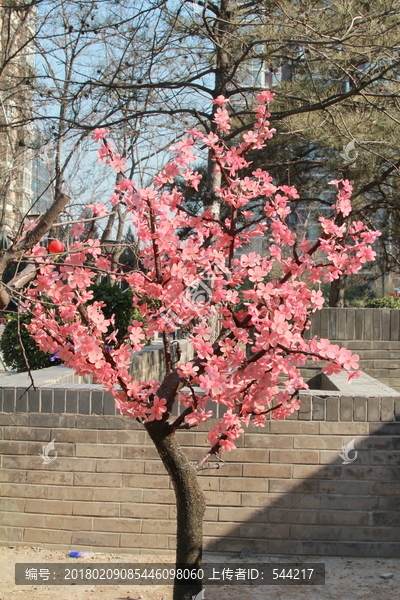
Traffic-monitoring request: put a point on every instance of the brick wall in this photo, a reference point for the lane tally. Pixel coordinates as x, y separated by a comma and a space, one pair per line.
284, 490
347, 324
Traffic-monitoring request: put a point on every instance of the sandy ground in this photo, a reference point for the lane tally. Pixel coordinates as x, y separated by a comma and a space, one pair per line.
346, 579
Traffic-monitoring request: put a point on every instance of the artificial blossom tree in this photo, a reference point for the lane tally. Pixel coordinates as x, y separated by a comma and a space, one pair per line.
252, 368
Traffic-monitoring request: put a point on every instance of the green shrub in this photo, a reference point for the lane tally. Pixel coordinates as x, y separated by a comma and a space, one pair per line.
10, 346
387, 302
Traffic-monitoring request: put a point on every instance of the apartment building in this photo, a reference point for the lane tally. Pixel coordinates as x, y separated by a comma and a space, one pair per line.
17, 69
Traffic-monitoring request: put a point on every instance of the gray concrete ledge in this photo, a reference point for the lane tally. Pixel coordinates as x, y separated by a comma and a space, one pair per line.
60, 391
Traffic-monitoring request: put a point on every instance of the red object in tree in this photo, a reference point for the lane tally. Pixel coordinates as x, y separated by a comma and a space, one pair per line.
56, 246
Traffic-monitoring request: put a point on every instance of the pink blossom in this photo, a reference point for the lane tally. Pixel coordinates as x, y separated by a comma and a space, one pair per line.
323, 345
227, 445
197, 417
115, 199
103, 263
135, 333
222, 119
157, 409
351, 362
366, 254
257, 274
353, 375
99, 134
118, 163
99, 209
211, 139
250, 137
317, 299
265, 96
331, 368
195, 133
203, 348
290, 191
250, 260
187, 370
78, 229
220, 100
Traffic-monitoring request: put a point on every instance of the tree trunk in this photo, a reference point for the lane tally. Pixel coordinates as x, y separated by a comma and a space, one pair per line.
338, 286
336, 295
213, 183
190, 504
223, 31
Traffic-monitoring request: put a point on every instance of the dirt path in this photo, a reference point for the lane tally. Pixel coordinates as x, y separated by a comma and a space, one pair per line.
346, 579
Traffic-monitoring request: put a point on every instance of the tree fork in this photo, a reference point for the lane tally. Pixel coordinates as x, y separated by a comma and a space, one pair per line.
190, 504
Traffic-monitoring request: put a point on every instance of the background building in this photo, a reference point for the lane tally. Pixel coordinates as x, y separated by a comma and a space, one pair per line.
17, 69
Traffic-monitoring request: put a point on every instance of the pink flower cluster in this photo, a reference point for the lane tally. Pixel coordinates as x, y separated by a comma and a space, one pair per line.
253, 367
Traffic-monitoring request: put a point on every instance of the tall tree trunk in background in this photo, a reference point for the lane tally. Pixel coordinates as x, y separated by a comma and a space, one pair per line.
114, 249
223, 30
111, 219
225, 65
336, 294
338, 286
118, 248
223, 74
190, 504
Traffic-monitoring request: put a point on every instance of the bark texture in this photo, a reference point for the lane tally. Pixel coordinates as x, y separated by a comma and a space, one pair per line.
190, 504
